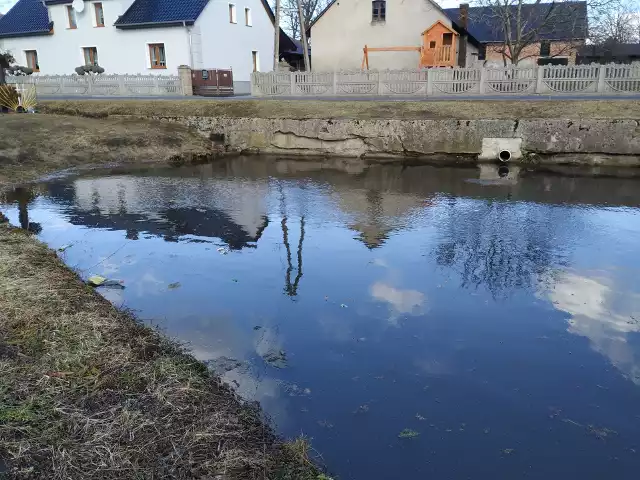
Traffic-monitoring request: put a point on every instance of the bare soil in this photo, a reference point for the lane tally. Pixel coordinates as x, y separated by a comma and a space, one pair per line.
86, 391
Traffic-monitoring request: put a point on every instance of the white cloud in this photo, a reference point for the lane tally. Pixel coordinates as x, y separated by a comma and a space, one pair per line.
401, 302
603, 312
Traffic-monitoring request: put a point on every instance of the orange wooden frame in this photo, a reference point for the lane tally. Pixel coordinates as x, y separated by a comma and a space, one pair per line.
366, 50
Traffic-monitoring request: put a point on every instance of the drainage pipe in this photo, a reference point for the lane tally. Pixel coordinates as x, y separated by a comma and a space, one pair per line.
504, 156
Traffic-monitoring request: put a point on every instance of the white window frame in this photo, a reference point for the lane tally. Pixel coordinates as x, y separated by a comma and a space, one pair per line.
248, 21
256, 54
94, 17
147, 54
233, 17
26, 57
70, 12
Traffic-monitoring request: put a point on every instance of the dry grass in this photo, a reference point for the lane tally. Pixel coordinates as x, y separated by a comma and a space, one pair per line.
86, 391
31, 145
459, 109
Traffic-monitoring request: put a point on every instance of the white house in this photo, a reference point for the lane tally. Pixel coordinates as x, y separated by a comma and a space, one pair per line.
141, 36
340, 32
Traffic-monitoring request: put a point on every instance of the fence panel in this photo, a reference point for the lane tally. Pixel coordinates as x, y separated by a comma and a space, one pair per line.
510, 80
102, 85
622, 78
450, 81
570, 79
403, 82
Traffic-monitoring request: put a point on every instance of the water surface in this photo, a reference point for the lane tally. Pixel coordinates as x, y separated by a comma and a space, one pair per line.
496, 320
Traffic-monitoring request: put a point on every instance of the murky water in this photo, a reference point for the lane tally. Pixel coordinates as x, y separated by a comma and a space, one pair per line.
496, 323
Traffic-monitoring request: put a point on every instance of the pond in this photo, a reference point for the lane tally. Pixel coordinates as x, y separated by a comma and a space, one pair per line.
413, 321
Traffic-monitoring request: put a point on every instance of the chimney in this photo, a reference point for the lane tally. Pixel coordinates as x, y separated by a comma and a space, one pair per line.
464, 15
463, 21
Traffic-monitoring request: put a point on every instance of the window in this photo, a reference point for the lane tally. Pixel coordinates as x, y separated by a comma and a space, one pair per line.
90, 55
432, 44
379, 11
99, 14
232, 13
32, 60
545, 48
157, 56
447, 39
247, 17
71, 15
256, 61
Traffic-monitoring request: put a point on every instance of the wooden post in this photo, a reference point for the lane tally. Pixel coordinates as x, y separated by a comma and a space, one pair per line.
335, 82
303, 36
276, 38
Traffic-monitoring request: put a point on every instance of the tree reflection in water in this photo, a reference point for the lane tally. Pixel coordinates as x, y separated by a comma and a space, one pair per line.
501, 246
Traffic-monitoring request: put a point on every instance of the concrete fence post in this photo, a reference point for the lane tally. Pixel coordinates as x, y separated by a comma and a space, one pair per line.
292, 77
602, 72
89, 78
483, 80
539, 79
184, 73
379, 82
254, 89
430, 81
122, 88
334, 88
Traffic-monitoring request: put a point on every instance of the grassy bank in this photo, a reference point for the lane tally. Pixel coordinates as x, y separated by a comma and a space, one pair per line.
32, 145
86, 391
274, 108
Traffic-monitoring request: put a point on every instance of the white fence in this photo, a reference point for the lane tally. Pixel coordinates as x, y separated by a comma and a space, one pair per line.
102, 85
545, 80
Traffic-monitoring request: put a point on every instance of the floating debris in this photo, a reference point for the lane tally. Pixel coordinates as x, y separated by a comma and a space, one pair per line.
223, 250
276, 358
234, 280
361, 409
224, 364
342, 305
65, 247
325, 424
507, 451
174, 285
408, 433
420, 417
257, 327
600, 432
98, 281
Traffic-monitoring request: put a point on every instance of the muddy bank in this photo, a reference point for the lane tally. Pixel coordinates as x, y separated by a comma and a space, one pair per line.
86, 391
33, 145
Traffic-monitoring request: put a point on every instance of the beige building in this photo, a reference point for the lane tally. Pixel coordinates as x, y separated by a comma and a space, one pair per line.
340, 33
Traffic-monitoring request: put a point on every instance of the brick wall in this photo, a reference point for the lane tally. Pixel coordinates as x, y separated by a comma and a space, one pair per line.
532, 52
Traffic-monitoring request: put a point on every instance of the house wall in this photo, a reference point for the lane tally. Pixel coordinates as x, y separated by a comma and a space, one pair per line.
119, 51
230, 45
338, 37
532, 53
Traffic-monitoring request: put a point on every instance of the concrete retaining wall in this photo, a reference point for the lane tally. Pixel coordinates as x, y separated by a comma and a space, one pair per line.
594, 141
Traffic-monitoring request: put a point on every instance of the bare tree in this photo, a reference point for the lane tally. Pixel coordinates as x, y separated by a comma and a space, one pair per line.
616, 25
520, 25
291, 18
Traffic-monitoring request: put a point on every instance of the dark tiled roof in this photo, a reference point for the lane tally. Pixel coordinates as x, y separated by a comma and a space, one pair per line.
161, 12
566, 21
27, 17
613, 49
